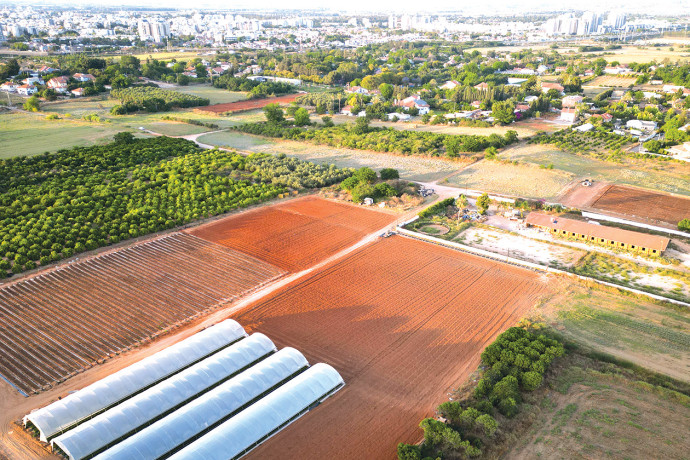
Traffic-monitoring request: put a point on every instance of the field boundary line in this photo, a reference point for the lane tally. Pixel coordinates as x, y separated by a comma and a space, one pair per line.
529, 265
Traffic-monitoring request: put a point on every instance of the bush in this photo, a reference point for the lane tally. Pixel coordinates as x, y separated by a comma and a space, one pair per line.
389, 173
488, 424
483, 203
384, 190
437, 208
508, 407
531, 380
409, 452
684, 225
361, 191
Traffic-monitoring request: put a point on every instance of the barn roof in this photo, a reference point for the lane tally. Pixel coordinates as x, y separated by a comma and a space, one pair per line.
598, 231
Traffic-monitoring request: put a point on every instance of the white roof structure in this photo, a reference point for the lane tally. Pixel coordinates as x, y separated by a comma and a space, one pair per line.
107, 428
253, 425
213, 407
77, 407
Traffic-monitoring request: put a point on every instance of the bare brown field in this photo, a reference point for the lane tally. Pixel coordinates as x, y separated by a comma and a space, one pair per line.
62, 321
653, 206
613, 81
296, 234
251, 104
404, 322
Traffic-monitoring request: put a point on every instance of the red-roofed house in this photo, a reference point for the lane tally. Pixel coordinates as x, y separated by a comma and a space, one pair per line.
59, 84
46, 69
78, 92
450, 84
83, 77
569, 114
27, 90
483, 86
414, 102
545, 87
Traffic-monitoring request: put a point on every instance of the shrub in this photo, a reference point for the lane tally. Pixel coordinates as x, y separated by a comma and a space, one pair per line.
389, 173
508, 407
409, 452
684, 225
384, 190
487, 423
531, 380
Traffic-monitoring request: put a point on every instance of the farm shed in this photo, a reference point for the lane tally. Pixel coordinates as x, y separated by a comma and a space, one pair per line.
137, 412
212, 408
253, 425
599, 234
62, 415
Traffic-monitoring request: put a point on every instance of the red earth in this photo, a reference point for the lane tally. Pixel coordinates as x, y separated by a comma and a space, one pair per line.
250, 104
404, 322
296, 234
655, 207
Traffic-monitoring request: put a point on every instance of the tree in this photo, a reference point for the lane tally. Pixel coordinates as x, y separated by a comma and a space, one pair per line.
32, 104
483, 203
389, 173
182, 80
327, 122
386, 90
365, 174
302, 117
461, 202
9, 69
488, 424
531, 380
684, 225
653, 146
361, 126
503, 112
409, 452
274, 114
123, 137
361, 191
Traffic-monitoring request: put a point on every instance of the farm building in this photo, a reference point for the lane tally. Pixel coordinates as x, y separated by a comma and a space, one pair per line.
219, 391
598, 234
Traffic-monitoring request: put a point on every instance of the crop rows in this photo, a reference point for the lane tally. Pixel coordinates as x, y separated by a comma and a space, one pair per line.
655, 206
403, 321
63, 321
250, 104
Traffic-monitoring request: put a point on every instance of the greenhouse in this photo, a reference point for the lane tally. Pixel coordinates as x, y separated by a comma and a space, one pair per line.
258, 422
145, 408
190, 421
68, 412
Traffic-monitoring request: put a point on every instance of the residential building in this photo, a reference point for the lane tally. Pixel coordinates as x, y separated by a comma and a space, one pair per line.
83, 77
569, 115
59, 84
27, 90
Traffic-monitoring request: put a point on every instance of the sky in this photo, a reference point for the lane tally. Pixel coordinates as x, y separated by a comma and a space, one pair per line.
665, 7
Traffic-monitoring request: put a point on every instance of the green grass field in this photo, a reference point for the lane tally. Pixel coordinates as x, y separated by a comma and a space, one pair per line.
215, 95
31, 134
652, 335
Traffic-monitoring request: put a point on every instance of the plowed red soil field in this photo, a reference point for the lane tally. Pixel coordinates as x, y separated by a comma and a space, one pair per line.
296, 234
250, 104
62, 321
653, 206
404, 322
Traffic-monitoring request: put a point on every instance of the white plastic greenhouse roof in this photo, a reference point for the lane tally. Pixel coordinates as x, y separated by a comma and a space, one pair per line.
61, 415
253, 425
148, 406
187, 422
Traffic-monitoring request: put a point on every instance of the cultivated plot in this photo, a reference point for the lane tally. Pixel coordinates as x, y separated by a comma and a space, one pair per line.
296, 234
60, 322
657, 207
403, 321
247, 105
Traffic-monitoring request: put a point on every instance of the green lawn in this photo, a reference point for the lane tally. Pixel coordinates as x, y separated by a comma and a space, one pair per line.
215, 95
30, 134
236, 140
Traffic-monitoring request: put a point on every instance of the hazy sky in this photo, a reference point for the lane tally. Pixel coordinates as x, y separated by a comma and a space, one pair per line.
664, 7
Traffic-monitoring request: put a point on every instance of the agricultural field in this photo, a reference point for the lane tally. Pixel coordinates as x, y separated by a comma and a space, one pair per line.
404, 322
595, 410
412, 168
523, 128
637, 329
613, 81
296, 234
62, 321
664, 176
252, 104
215, 95
655, 207
524, 180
